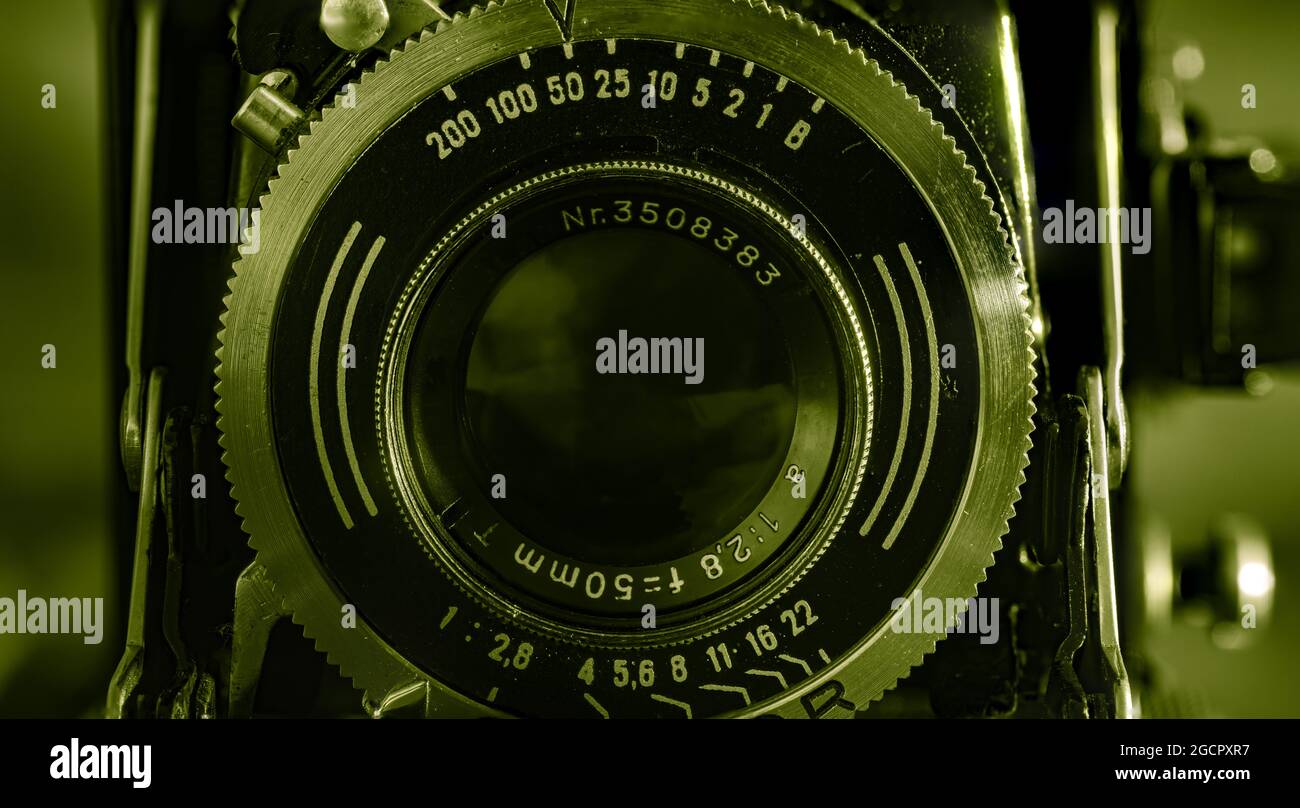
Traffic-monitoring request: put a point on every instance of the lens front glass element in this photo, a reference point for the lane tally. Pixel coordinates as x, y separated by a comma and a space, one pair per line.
631, 389
618, 383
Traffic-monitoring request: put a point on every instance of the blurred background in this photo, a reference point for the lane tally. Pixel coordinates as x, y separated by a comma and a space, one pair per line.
1222, 459
1218, 463
61, 527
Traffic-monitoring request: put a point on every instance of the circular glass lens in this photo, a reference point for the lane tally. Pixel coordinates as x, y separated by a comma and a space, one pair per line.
635, 392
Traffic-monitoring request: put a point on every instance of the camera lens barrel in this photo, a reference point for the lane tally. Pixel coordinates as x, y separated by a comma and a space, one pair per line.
629, 366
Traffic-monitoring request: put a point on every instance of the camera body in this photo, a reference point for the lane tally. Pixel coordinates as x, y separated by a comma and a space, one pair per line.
818, 435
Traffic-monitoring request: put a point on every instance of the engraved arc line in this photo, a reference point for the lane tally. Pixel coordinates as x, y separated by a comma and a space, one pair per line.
907, 397
341, 374
933, 344
313, 374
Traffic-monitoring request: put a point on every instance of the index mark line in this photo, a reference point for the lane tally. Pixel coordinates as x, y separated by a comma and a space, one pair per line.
447, 619
563, 20
592, 699
797, 661
433, 4
744, 694
773, 674
683, 705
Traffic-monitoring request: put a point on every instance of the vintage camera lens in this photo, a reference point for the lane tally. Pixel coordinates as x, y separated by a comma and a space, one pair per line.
633, 362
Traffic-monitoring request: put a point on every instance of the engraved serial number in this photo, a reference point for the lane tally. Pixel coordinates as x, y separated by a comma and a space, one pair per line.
654, 214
